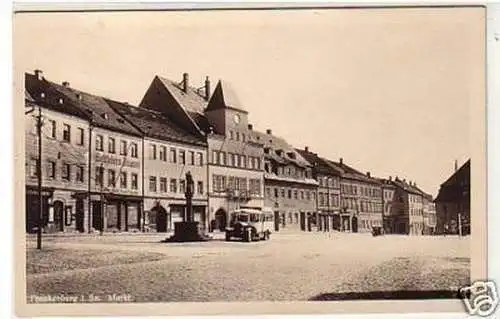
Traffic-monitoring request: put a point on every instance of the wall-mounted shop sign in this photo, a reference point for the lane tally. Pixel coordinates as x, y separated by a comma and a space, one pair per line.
117, 161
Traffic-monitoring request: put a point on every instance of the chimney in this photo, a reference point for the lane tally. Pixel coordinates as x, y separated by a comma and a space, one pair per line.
185, 82
404, 180
65, 84
39, 74
368, 174
268, 131
79, 96
306, 149
250, 127
390, 178
341, 161
456, 165
207, 88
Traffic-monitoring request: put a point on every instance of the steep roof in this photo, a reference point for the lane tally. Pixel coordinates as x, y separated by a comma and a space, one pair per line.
154, 124
351, 173
320, 164
47, 95
102, 114
402, 184
192, 101
457, 186
224, 97
275, 144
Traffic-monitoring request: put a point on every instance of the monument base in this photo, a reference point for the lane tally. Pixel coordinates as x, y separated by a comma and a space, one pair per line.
186, 232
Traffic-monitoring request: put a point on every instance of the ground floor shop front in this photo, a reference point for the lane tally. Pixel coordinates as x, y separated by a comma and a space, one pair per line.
162, 214
62, 210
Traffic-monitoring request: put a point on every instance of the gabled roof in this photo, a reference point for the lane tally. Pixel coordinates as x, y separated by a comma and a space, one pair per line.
457, 186
406, 187
351, 173
102, 114
46, 94
224, 97
154, 124
320, 164
191, 100
275, 144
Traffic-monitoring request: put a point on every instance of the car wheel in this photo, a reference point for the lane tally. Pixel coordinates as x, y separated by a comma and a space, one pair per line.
248, 235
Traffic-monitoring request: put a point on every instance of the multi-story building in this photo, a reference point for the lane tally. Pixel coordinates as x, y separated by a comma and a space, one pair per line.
290, 187
453, 202
360, 199
429, 214
169, 153
235, 160
328, 192
388, 196
115, 165
408, 217
64, 157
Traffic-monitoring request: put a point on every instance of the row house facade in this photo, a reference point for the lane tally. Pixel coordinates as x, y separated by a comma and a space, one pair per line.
360, 199
408, 205
106, 165
290, 187
328, 191
169, 153
388, 210
235, 174
453, 202
64, 158
429, 214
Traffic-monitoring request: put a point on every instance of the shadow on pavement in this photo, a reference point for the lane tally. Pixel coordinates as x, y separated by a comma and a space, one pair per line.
395, 294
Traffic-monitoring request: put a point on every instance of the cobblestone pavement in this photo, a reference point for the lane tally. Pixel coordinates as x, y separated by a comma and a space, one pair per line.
291, 266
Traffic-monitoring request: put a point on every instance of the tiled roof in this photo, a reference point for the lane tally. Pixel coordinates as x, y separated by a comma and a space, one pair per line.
154, 124
320, 164
275, 143
225, 97
351, 173
46, 94
102, 114
406, 187
191, 100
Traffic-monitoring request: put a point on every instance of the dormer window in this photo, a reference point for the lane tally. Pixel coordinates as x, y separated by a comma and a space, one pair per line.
120, 120
266, 150
279, 152
291, 155
105, 116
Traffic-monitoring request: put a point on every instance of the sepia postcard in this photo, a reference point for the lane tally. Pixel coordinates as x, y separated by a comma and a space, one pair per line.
251, 161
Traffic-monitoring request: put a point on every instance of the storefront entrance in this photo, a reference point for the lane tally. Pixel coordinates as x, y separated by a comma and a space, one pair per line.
220, 220
59, 215
161, 218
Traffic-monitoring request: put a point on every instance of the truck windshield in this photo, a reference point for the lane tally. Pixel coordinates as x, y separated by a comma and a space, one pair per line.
254, 218
242, 217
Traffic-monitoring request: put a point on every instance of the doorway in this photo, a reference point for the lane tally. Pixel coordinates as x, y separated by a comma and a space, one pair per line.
220, 220
161, 219
97, 221
354, 224
59, 215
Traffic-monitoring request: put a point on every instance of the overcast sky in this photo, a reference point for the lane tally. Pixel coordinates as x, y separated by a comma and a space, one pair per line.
390, 91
